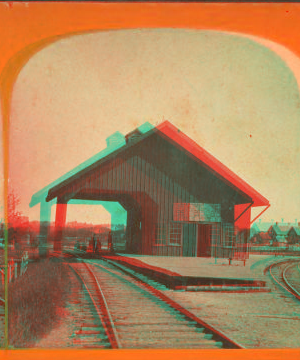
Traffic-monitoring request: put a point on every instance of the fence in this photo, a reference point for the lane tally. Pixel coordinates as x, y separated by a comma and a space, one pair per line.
275, 250
15, 268
229, 242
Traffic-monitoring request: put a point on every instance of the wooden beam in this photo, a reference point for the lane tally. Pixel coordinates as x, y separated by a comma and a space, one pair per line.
60, 222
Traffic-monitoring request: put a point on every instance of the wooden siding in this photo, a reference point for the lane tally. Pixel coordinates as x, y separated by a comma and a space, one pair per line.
147, 193
189, 239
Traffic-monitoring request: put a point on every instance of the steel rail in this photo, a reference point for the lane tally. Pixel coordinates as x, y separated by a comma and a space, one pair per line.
289, 285
278, 282
112, 335
107, 310
217, 334
274, 278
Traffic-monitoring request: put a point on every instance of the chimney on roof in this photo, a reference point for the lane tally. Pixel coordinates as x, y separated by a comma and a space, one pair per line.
282, 220
133, 136
115, 140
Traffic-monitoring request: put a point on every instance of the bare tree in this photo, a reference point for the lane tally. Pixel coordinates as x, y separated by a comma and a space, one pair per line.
14, 215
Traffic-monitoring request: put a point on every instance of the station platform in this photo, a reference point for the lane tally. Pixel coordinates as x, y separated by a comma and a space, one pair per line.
196, 274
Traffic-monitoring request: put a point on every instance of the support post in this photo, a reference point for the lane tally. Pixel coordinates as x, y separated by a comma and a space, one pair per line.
60, 222
133, 231
45, 218
129, 227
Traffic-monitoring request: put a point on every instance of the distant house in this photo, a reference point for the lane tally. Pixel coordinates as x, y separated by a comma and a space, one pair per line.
278, 233
280, 241
262, 238
279, 230
293, 236
260, 227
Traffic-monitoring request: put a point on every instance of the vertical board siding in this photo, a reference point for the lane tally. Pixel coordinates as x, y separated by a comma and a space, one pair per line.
189, 239
154, 193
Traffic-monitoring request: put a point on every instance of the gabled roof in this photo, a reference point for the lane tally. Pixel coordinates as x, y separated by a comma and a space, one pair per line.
115, 141
261, 226
182, 141
296, 229
211, 162
281, 229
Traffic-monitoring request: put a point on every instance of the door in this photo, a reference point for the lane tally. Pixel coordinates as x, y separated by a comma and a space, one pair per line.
204, 240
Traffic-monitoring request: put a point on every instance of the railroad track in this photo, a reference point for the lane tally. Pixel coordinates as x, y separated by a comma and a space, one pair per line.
287, 276
97, 331
134, 314
291, 276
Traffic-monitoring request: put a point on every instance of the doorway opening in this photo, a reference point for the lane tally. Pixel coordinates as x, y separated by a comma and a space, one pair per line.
204, 236
94, 221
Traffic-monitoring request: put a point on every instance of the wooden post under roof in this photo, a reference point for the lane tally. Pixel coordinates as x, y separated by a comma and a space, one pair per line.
60, 222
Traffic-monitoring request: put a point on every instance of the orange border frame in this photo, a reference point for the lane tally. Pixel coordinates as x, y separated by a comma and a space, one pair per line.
28, 27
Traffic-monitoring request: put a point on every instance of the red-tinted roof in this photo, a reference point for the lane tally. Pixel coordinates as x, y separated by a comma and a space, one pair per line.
192, 147
174, 135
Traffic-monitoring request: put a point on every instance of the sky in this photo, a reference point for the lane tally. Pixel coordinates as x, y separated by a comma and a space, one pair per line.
233, 96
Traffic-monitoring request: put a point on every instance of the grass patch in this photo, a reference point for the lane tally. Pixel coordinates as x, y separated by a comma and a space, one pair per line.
35, 300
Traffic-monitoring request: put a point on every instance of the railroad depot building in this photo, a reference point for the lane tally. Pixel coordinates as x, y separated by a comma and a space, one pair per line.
180, 200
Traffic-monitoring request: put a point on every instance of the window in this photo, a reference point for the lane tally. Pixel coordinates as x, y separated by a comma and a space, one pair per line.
161, 234
168, 234
175, 234
228, 234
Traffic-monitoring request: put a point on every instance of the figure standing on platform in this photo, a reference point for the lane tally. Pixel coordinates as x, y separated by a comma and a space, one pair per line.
94, 243
109, 241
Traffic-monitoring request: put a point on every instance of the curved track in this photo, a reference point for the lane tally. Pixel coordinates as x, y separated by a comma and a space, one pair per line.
287, 276
291, 276
136, 315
